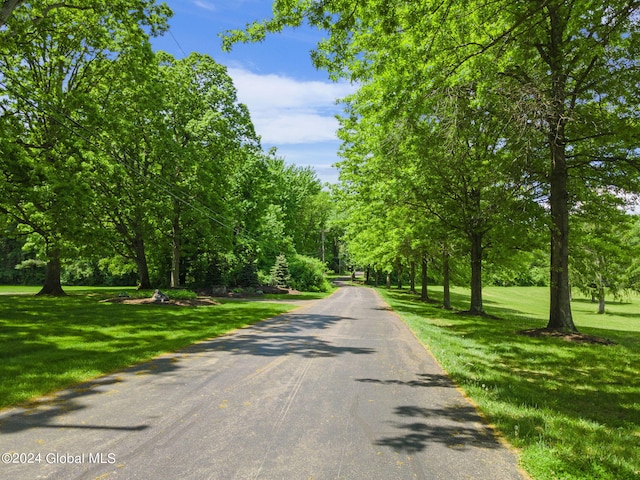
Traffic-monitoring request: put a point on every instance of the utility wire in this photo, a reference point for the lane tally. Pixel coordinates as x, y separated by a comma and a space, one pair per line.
177, 43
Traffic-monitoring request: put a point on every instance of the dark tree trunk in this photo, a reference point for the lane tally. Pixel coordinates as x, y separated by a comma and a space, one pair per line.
6, 9
388, 280
52, 284
560, 317
476, 274
335, 247
368, 275
141, 263
412, 280
446, 282
400, 270
601, 304
175, 253
424, 293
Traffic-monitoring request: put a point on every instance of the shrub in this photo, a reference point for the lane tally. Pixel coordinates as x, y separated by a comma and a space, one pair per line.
248, 276
308, 274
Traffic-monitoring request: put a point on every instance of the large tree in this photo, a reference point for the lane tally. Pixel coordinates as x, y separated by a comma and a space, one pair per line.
210, 135
53, 69
447, 155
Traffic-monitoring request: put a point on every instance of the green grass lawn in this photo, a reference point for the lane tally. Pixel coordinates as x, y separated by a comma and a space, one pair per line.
573, 410
50, 343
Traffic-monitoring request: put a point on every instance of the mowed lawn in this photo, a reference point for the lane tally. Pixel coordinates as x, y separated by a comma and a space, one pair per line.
50, 343
571, 409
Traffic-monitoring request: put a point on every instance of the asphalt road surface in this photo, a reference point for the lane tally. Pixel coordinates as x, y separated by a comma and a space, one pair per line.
338, 389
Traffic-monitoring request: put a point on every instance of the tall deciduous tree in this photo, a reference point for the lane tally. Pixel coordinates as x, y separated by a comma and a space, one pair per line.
52, 67
600, 251
446, 154
209, 136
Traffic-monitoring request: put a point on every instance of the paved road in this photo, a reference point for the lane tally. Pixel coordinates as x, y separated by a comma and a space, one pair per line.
338, 389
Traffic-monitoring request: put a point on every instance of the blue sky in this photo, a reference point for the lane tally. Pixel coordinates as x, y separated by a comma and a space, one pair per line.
292, 104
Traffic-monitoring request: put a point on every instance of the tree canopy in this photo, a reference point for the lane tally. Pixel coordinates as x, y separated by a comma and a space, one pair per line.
556, 81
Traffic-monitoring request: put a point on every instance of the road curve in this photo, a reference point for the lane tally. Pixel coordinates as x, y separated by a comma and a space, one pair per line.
337, 389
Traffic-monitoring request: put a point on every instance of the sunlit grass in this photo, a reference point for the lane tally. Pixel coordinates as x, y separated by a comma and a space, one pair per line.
573, 409
50, 343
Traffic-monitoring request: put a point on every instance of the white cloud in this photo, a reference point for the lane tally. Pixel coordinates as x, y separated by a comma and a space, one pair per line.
287, 111
205, 5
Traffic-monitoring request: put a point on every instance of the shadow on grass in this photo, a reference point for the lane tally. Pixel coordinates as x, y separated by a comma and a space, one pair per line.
578, 400
47, 344
51, 343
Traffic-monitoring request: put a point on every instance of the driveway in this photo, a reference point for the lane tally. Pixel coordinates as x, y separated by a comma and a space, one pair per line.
337, 389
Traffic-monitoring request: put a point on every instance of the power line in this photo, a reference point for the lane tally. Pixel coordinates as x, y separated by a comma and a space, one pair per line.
177, 43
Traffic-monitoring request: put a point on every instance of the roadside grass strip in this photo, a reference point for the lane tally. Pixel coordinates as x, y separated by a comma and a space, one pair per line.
51, 343
571, 409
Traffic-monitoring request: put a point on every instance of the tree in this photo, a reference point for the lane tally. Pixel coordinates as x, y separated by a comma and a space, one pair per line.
7, 9
136, 10
280, 276
208, 129
445, 153
600, 255
50, 86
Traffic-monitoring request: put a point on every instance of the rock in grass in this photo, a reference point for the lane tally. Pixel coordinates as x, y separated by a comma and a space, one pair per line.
159, 297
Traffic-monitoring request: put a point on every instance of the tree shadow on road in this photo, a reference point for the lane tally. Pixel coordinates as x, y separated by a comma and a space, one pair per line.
456, 425
42, 412
426, 380
282, 335
290, 334
417, 436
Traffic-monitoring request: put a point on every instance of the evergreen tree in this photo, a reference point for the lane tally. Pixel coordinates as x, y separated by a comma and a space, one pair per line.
280, 276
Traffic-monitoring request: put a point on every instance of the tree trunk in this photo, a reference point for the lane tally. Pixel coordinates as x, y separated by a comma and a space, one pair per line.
175, 253
7, 9
400, 270
52, 284
600, 296
141, 263
335, 246
476, 274
388, 280
424, 293
601, 301
368, 275
446, 282
412, 280
560, 317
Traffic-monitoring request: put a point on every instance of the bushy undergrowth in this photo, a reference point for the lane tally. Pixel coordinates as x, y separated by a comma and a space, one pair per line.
308, 274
